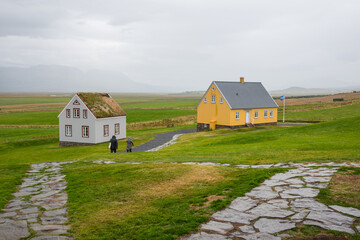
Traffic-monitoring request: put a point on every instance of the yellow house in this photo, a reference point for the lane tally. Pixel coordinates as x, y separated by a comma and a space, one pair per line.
235, 105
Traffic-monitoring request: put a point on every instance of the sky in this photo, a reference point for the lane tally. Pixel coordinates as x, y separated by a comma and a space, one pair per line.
186, 44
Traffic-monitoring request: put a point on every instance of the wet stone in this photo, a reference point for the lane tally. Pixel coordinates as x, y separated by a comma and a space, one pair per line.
54, 220
25, 216
59, 204
29, 210
206, 236
247, 229
231, 215
347, 210
330, 227
273, 183
268, 210
317, 179
14, 230
299, 217
317, 185
273, 225
219, 227
7, 214
263, 195
56, 212
44, 195
300, 192
302, 204
49, 229
243, 203
294, 181
260, 236
281, 203
332, 220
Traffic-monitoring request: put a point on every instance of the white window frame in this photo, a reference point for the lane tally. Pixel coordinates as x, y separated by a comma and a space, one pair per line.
85, 113
265, 113
256, 114
117, 128
221, 100
68, 130
213, 98
106, 130
68, 113
76, 112
205, 100
237, 115
271, 115
85, 131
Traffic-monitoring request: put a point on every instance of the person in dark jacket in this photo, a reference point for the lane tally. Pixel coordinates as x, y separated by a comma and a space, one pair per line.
113, 144
129, 145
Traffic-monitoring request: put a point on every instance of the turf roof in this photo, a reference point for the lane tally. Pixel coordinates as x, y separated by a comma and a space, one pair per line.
102, 105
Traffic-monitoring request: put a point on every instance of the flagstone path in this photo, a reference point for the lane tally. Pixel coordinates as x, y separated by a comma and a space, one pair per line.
39, 207
281, 203
38, 210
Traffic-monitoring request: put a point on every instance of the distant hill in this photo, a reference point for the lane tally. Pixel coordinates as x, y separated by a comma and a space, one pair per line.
55, 78
299, 91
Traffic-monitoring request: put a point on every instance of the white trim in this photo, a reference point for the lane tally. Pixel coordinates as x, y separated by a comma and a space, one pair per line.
81, 101
271, 113
237, 113
267, 113
213, 100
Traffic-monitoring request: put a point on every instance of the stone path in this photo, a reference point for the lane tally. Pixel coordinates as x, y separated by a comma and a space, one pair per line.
281, 203
161, 139
39, 207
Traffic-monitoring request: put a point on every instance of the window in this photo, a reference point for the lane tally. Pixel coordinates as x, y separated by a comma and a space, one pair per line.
265, 113
76, 113
213, 97
221, 100
68, 115
76, 102
271, 113
205, 100
213, 89
106, 130
117, 128
68, 130
85, 131
256, 114
84, 113
237, 115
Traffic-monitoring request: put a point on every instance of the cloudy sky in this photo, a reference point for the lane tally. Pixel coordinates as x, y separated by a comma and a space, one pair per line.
186, 44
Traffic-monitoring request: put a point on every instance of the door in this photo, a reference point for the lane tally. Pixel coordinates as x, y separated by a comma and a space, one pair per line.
247, 116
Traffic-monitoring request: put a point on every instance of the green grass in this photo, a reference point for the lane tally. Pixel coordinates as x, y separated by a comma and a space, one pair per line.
33, 100
163, 104
50, 117
322, 114
11, 134
122, 201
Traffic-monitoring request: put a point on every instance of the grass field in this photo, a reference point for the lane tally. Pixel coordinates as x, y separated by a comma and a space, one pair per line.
163, 201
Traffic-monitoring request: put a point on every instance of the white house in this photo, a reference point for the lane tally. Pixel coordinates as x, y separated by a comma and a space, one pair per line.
91, 118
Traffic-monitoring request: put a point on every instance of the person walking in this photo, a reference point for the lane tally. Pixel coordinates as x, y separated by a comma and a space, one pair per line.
113, 144
129, 145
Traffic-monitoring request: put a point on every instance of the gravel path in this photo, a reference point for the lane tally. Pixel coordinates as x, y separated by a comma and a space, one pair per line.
160, 140
38, 206
281, 203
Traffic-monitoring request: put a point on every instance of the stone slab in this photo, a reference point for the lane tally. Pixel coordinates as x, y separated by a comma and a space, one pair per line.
268, 210
273, 225
243, 203
247, 229
302, 204
220, 227
329, 227
14, 230
260, 236
332, 220
347, 210
231, 215
205, 236
300, 192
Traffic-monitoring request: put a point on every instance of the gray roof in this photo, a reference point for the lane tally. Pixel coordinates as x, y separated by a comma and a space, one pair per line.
245, 96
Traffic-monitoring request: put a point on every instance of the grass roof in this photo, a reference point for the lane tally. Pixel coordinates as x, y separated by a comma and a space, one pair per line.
102, 105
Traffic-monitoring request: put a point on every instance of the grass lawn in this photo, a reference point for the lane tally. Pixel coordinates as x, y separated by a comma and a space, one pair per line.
150, 201
322, 114
163, 104
19, 134
50, 117
33, 100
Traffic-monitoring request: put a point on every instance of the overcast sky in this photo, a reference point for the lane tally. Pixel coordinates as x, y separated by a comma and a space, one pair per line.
187, 44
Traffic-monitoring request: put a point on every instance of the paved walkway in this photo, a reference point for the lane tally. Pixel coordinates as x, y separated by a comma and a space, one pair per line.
281, 203
161, 139
38, 206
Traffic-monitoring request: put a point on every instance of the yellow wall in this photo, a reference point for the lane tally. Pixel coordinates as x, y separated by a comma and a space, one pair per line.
208, 112
221, 114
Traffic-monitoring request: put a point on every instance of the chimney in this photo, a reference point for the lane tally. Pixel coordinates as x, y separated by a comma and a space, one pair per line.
242, 80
